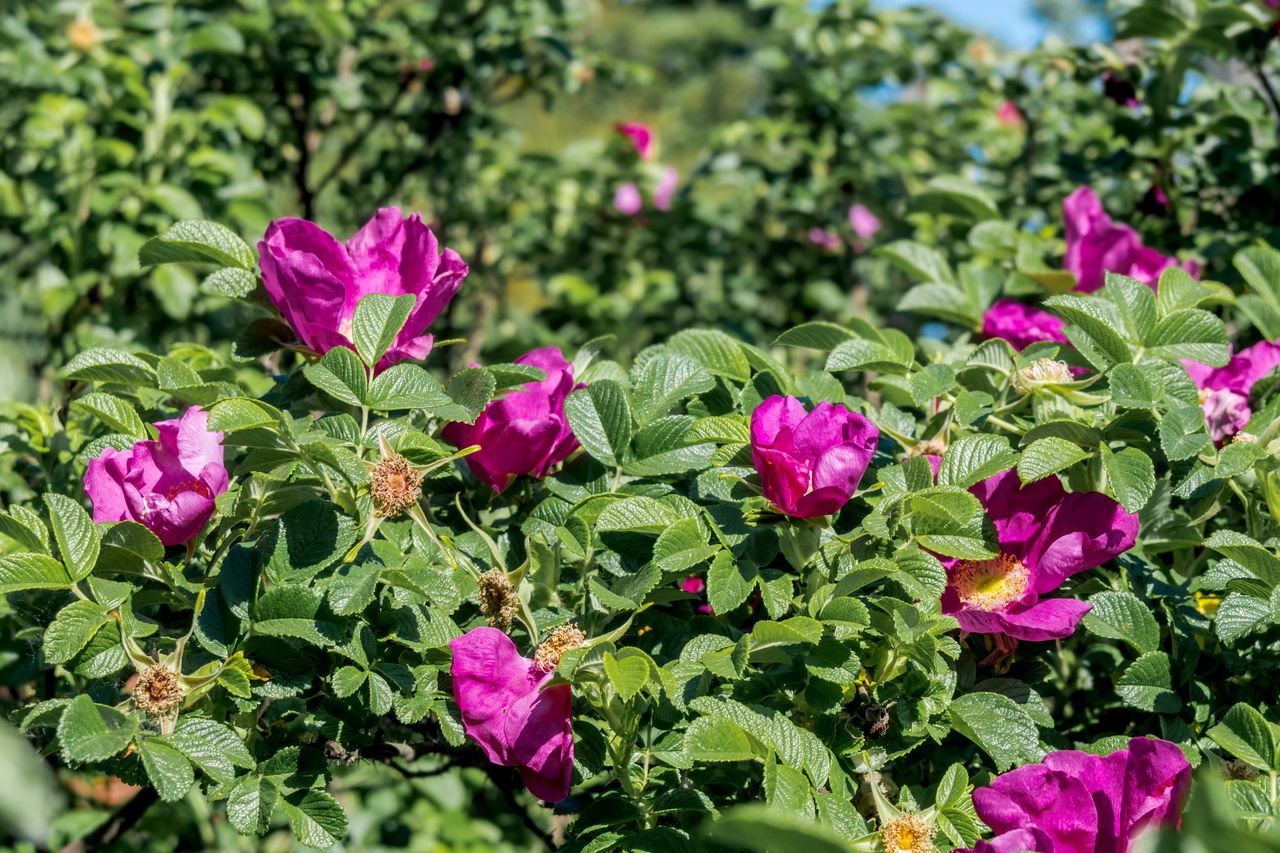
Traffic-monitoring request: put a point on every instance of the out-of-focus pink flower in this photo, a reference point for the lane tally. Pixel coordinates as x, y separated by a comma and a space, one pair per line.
1119, 90
316, 282
863, 222
1155, 202
508, 709
828, 241
627, 200
1224, 391
1045, 535
1096, 245
1075, 802
810, 463
641, 136
666, 188
526, 432
426, 65
1021, 325
167, 485
1009, 115
695, 585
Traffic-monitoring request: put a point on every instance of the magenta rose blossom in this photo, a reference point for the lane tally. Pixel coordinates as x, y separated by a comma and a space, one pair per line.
825, 240
1096, 245
863, 222
316, 282
525, 432
507, 708
641, 136
1009, 115
627, 200
1075, 802
1021, 325
1046, 535
166, 485
666, 188
810, 463
1224, 391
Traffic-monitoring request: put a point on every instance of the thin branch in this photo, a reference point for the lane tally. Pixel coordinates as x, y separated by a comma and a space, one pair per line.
1267, 88
117, 825
358, 139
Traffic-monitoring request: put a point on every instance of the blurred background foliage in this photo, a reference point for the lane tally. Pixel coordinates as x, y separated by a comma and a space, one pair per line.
119, 117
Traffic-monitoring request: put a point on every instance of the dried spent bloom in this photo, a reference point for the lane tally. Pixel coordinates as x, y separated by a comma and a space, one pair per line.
1244, 438
1237, 770
1046, 371
497, 599
563, 639
928, 447
158, 690
394, 485
907, 833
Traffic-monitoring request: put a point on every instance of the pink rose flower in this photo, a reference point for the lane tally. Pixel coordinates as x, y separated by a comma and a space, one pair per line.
863, 222
666, 188
1224, 391
1045, 536
1009, 115
526, 432
316, 282
810, 463
1075, 802
627, 200
167, 485
641, 136
508, 709
828, 241
1021, 325
1096, 245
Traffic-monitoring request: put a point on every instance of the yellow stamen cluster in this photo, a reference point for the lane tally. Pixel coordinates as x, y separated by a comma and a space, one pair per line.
497, 599
565, 638
1046, 371
395, 485
82, 34
158, 690
990, 584
907, 833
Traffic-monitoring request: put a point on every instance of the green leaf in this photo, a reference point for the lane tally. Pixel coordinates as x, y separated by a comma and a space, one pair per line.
1099, 319
315, 818
1123, 616
72, 629
867, 355
340, 375
663, 379
1000, 726
944, 301
640, 514
1147, 685
1247, 735
682, 546
92, 732
347, 680
77, 536
627, 674
953, 195
714, 350
1131, 476
1133, 387
214, 747
920, 262
231, 282
127, 546
797, 747
716, 739
250, 804
118, 415
306, 540
291, 611
1046, 456
975, 457
472, 389
1182, 433
600, 418
1239, 615
817, 335
32, 571
408, 386
197, 241
1190, 333
950, 521
729, 582
1248, 553
767, 829
1177, 289
168, 769
100, 364
379, 317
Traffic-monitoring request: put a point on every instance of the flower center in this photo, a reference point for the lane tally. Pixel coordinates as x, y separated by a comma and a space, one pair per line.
562, 639
990, 584
497, 599
158, 690
394, 485
907, 833
1046, 371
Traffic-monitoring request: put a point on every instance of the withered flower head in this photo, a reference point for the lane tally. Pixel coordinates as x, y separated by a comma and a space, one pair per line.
562, 639
1046, 371
158, 690
929, 447
395, 485
497, 599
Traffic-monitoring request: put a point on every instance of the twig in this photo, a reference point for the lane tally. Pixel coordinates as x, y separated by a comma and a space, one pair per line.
117, 825
1267, 88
